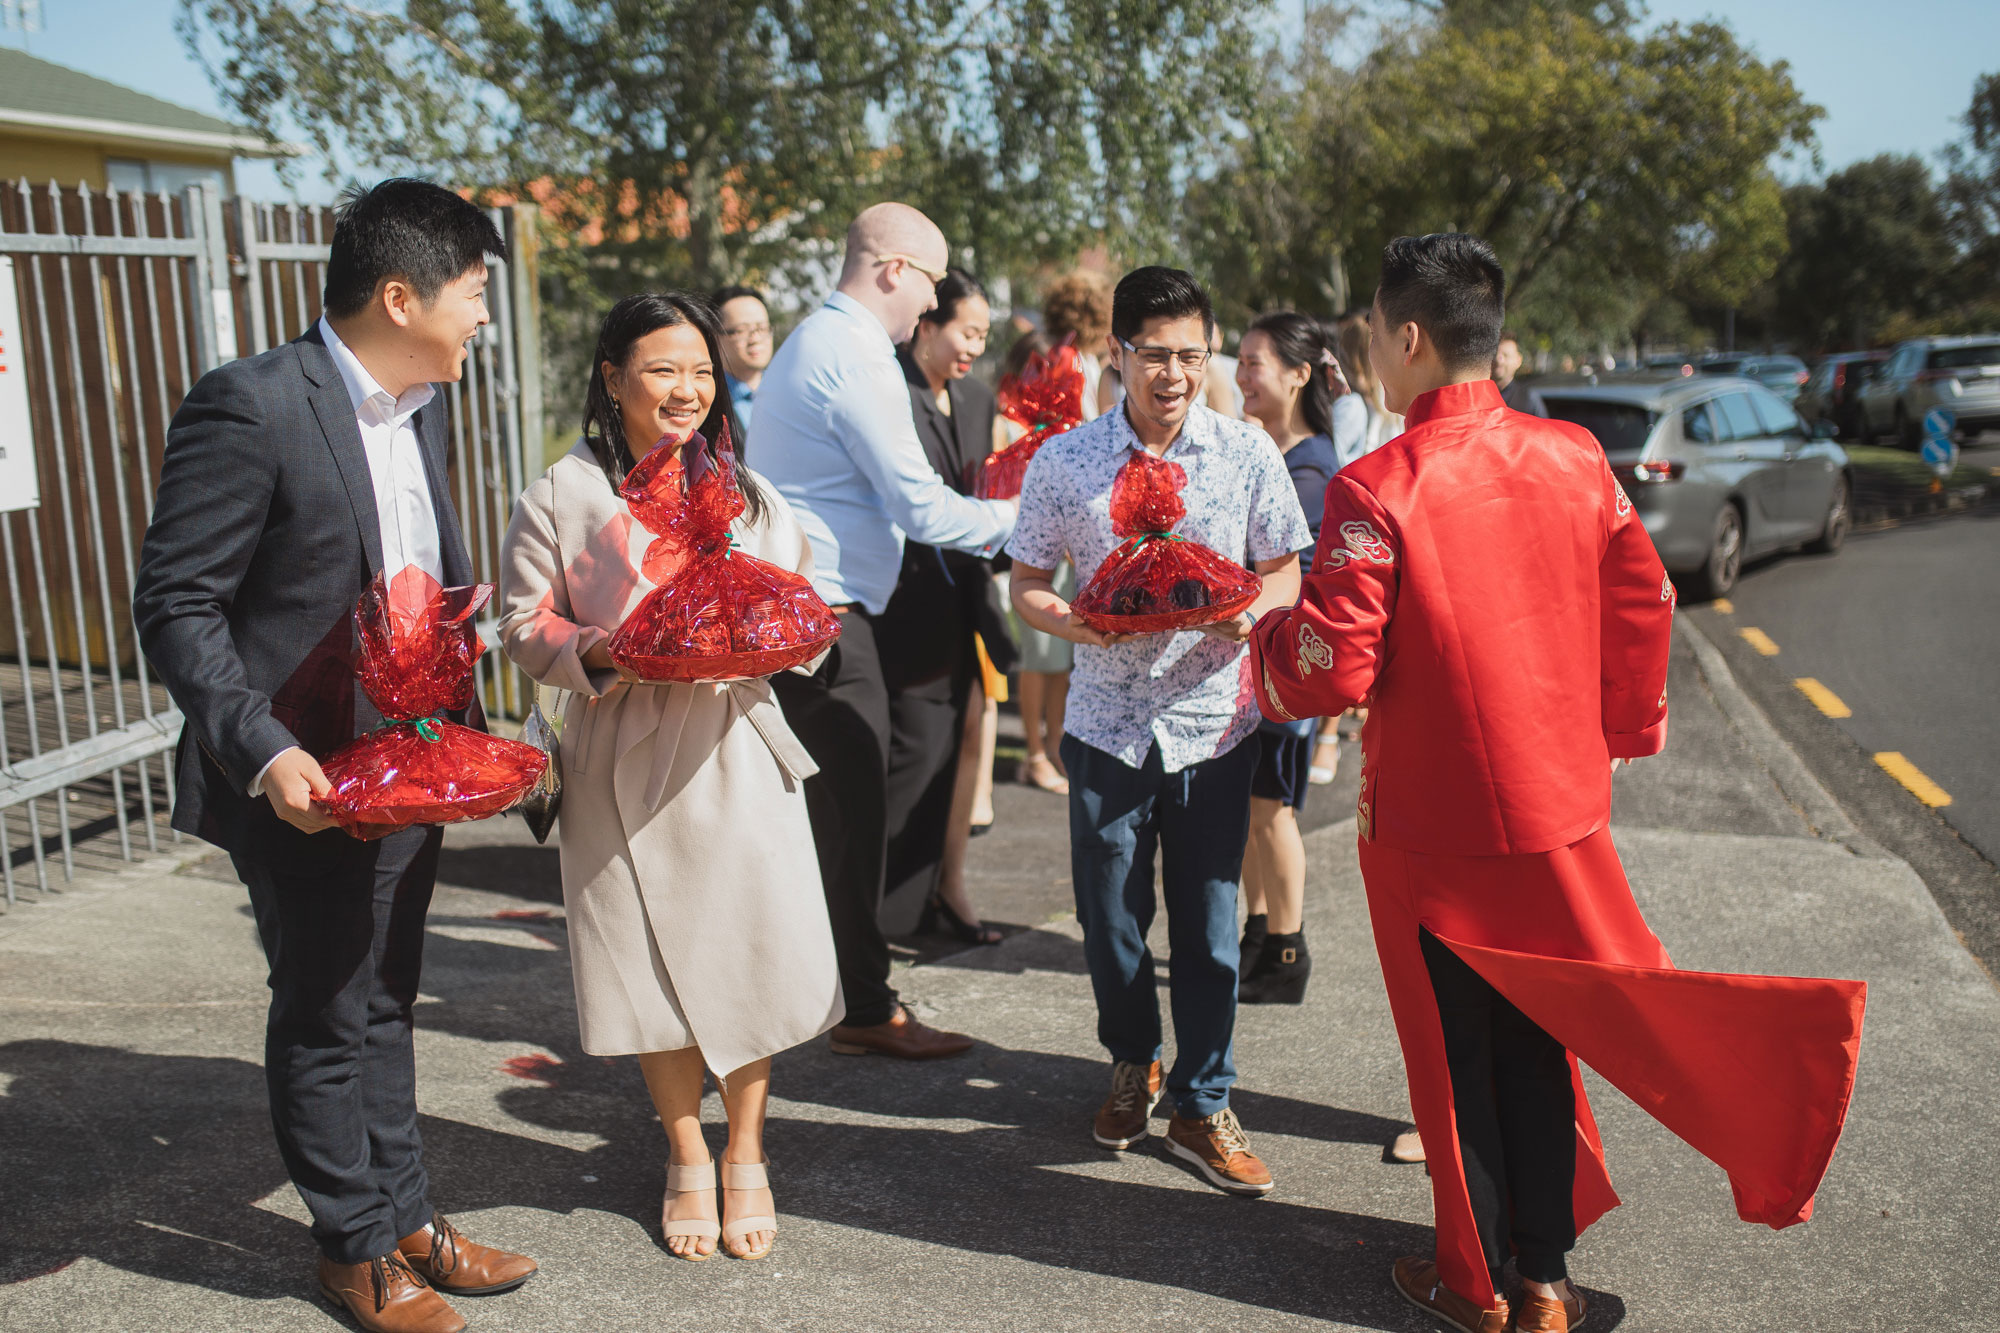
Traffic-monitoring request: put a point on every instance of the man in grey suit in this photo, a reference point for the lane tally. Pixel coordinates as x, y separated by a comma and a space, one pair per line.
290, 480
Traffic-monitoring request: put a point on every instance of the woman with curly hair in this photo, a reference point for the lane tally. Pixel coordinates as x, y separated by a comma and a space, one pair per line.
1080, 303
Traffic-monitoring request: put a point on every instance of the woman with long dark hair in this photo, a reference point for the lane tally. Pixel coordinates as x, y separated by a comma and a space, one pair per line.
931, 634
1293, 387
698, 932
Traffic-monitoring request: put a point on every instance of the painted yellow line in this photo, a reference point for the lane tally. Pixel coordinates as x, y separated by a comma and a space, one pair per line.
1823, 699
1728, 608
1759, 640
1912, 777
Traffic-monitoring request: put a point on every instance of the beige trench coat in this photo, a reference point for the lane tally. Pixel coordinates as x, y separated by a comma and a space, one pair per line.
692, 889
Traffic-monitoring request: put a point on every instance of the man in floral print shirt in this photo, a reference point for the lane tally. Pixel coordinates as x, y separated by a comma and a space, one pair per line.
1156, 721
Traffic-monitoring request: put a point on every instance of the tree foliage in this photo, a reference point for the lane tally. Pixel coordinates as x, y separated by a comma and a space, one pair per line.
1972, 194
702, 141
1870, 243
1606, 164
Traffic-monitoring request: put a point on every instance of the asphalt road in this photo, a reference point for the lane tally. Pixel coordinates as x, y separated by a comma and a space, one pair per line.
1903, 628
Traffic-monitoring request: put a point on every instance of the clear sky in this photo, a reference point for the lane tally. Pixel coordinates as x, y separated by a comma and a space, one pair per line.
1893, 77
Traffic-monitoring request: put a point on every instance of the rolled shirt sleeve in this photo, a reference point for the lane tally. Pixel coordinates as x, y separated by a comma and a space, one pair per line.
870, 413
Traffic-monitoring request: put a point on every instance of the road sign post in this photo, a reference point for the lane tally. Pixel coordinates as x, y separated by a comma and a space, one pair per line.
1940, 449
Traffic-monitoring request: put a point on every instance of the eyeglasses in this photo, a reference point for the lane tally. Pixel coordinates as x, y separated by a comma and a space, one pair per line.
936, 275
1193, 360
747, 331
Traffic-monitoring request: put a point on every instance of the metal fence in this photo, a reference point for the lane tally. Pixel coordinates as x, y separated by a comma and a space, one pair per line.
124, 300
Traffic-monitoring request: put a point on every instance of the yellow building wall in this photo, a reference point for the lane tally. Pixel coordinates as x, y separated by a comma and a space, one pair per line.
43, 160
70, 161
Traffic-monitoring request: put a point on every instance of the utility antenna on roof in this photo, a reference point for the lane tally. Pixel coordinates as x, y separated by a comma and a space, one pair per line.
21, 15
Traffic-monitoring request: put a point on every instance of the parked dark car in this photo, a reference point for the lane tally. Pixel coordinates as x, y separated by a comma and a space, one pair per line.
1719, 468
1833, 391
1962, 374
1782, 375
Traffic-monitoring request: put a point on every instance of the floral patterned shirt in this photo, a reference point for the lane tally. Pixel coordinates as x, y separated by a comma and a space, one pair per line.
1189, 691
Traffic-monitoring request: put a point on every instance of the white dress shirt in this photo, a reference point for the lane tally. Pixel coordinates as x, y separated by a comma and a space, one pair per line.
836, 436
403, 505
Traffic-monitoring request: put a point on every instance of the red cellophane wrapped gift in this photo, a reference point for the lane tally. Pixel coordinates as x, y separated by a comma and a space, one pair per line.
1156, 580
1047, 398
417, 650
717, 613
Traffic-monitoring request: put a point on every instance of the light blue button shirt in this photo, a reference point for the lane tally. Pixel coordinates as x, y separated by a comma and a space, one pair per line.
836, 436
743, 398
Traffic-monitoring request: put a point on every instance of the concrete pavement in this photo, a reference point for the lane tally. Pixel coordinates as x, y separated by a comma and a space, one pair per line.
141, 1190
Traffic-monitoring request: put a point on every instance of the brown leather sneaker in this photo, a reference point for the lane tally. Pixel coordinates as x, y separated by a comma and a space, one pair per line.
1135, 1091
385, 1296
1418, 1281
1539, 1314
443, 1257
1217, 1148
902, 1036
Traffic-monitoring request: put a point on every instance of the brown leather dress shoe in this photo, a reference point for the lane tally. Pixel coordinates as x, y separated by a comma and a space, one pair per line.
1538, 1314
443, 1257
1421, 1286
902, 1036
385, 1296
1135, 1091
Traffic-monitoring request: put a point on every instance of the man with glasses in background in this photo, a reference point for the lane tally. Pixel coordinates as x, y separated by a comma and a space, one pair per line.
1156, 723
837, 437
746, 346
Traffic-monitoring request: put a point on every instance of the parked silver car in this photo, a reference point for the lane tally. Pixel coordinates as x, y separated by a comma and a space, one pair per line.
1719, 467
1961, 373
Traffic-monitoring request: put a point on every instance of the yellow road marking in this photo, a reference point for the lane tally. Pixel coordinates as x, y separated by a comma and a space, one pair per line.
1728, 608
1823, 699
1759, 640
1911, 776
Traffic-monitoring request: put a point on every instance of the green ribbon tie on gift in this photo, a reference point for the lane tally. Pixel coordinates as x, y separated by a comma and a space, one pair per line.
427, 726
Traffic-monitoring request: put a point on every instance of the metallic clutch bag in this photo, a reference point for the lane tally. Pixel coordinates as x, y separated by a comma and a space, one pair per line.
544, 799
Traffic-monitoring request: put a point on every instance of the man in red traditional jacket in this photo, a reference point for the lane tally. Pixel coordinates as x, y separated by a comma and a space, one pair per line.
1482, 584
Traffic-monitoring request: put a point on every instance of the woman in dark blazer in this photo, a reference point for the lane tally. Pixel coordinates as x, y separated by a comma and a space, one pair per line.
943, 598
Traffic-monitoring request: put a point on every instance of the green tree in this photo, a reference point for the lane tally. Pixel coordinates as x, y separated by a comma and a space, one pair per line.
702, 141
1870, 243
1972, 196
1612, 168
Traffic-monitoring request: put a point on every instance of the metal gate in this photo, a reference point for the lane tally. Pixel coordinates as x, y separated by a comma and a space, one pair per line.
124, 300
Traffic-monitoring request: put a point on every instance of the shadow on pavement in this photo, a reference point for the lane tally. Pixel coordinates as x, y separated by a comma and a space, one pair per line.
152, 1163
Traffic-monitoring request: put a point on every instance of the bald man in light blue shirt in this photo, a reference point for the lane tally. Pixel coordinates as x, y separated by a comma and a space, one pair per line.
836, 437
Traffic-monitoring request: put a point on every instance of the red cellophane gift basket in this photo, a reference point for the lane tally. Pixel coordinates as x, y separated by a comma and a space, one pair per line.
417, 650
1157, 580
717, 613
1047, 398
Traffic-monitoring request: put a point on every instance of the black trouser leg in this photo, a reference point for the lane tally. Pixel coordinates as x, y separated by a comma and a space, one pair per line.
926, 724
1516, 1111
346, 953
840, 714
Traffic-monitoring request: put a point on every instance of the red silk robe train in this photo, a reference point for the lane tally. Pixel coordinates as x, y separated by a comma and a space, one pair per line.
1482, 583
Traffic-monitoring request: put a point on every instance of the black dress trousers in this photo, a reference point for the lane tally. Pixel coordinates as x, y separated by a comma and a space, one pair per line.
840, 714
1516, 1111
344, 935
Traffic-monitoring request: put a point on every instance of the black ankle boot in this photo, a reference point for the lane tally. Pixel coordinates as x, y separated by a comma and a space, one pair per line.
1279, 974
1255, 930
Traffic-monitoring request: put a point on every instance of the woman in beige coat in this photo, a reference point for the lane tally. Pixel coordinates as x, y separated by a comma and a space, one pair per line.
698, 930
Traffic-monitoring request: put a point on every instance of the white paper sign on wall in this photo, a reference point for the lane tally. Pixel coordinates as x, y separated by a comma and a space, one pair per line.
20, 488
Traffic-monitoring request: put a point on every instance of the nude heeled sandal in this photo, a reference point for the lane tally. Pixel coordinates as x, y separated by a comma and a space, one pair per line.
747, 1176
689, 1180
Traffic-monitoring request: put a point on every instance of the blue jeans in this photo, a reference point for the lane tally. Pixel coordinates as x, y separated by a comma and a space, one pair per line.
1199, 819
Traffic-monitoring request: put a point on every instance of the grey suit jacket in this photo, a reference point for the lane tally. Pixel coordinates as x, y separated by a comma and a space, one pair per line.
264, 535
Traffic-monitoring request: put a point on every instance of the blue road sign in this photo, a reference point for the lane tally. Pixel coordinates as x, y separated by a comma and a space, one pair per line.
1940, 449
